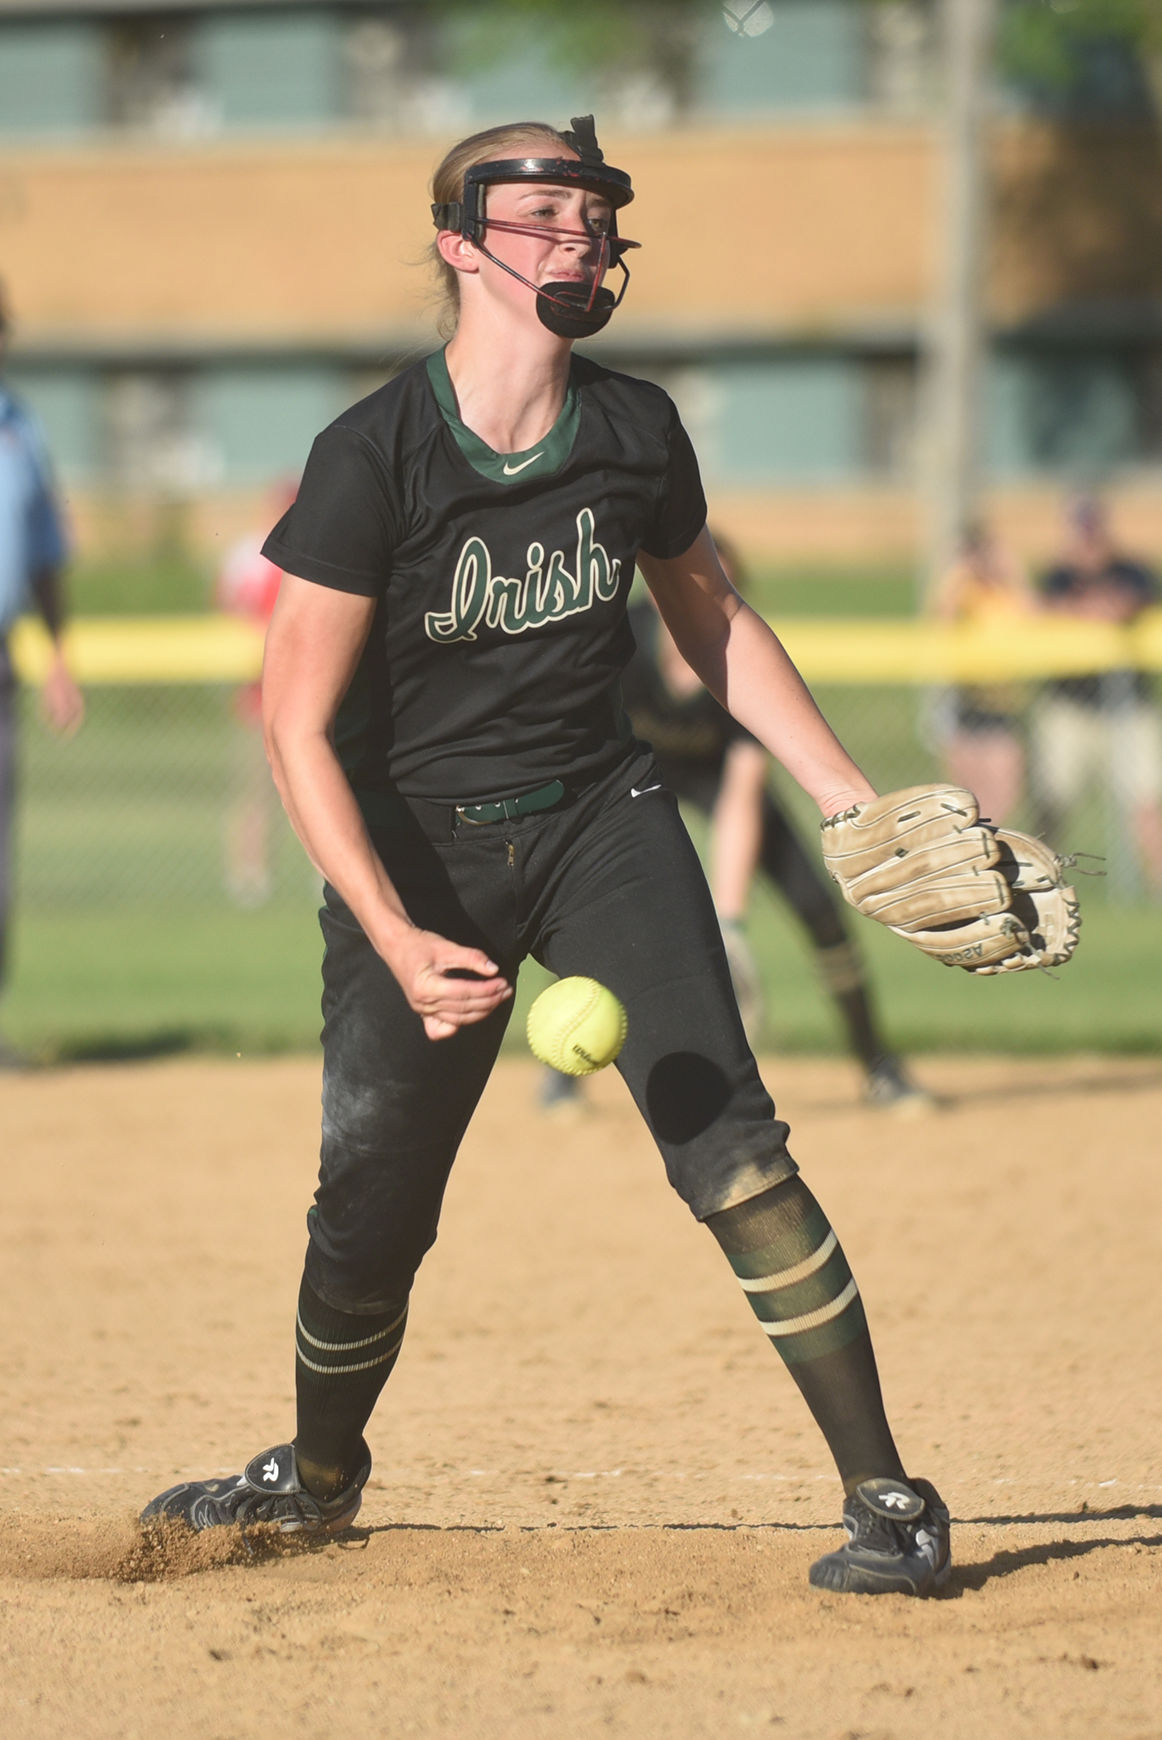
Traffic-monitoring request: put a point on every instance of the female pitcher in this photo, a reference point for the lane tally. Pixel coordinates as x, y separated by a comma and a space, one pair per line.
443, 720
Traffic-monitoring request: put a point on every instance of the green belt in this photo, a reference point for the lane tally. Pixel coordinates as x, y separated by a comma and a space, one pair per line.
507, 809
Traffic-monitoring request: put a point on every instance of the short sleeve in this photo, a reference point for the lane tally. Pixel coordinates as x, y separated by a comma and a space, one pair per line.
681, 508
342, 529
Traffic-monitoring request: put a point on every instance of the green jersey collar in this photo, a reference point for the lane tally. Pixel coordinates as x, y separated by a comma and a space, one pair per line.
543, 460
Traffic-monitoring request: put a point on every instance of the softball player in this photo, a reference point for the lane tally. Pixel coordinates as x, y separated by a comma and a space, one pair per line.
443, 720
32, 558
710, 762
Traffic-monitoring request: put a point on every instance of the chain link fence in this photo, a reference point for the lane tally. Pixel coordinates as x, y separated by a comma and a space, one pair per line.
163, 799
162, 900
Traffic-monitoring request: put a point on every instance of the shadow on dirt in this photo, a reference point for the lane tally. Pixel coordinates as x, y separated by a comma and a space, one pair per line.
1008, 1562
1083, 1513
1028, 1087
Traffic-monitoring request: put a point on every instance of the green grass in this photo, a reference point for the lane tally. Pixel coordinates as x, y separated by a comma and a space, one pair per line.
125, 944
833, 591
174, 584
105, 982
177, 584
109, 982
1109, 998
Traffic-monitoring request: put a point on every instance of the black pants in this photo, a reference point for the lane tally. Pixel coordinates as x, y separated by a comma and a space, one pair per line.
611, 887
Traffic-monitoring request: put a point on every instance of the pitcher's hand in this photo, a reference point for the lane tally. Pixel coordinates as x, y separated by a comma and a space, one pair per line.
448, 986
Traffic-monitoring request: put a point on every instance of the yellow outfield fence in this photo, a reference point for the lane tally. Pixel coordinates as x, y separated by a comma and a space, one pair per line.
224, 649
879, 650
148, 649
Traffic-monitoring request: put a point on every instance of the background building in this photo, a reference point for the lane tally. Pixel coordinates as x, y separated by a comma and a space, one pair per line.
213, 238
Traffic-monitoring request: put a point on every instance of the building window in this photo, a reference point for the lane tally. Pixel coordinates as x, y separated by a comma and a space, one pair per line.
787, 417
62, 397
890, 411
900, 54
272, 68
394, 73
151, 76
152, 443
50, 78
1081, 410
782, 55
1086, 411
259, 416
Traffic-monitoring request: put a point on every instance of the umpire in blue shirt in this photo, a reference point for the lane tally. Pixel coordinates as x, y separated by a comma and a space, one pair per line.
32, 554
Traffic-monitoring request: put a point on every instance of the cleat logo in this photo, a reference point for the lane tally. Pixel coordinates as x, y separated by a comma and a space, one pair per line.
896, 1500
926, 1544
270, 1470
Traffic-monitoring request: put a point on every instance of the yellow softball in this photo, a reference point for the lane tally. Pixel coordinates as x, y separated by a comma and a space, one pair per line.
577, 1026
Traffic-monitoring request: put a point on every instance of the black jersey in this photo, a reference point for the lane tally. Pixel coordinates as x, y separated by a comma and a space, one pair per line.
689, 734
500, 633
1137, 588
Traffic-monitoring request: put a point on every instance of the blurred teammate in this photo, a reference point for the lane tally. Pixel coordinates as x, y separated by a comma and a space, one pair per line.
440, 693
986, 750
247, 586
1101, 728
32, 555
712, 763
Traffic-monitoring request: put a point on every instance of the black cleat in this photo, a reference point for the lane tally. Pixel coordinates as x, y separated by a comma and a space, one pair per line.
888, 1084
12, 1059
269, 1491
897, 1542
560, 1095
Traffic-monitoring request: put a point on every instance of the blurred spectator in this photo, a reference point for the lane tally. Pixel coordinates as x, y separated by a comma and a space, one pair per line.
709, 761
32, 555
247, 586
1102, 728
984, 749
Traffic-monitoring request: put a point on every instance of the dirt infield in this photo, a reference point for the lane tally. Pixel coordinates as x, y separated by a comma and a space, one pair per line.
596, 1491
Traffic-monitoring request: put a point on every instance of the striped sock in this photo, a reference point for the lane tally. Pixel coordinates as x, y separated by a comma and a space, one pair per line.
342, 1362
792, 1269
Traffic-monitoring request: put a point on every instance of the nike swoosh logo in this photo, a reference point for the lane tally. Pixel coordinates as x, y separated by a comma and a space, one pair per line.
511, 470
634, 792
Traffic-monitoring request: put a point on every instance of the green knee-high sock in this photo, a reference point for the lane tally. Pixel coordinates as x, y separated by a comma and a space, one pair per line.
342, 1362
793, 1270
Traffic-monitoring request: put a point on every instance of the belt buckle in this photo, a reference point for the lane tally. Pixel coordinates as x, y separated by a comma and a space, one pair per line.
476, 821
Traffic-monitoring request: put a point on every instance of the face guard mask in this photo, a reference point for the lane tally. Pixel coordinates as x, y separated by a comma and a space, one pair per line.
570, 310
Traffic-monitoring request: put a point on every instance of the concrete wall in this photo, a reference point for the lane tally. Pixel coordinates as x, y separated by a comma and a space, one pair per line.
743, 231
773, 230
